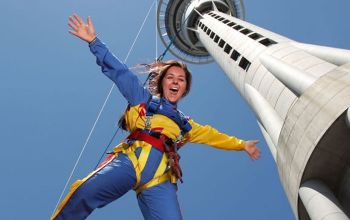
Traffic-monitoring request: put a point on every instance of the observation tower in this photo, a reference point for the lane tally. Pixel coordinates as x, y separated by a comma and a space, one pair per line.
300, 94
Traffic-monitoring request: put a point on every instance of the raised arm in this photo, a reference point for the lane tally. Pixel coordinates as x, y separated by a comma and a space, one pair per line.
126, 81
212, 137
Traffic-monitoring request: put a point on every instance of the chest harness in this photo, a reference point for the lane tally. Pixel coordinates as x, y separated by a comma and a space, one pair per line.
161, 142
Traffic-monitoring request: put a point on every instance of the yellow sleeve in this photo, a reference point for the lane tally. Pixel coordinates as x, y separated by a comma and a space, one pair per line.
208, 135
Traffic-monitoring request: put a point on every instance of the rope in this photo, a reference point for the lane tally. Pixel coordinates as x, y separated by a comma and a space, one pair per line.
143, 23
132, 46
156, 31
82, 150
99, 114
127, 56
105, 151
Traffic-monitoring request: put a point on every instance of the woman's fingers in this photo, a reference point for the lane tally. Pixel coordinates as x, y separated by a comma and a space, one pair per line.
256, 154
252, 150
255, 142
90, 25
89, 22
74, 21
73, 33
79, 20
71, 25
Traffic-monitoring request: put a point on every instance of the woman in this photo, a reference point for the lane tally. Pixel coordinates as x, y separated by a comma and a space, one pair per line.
147, 161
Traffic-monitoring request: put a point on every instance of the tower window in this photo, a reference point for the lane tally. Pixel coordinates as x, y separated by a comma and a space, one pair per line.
205, 28
226, 21
227, 49
237, 27
208, 31
246, 31
231, 24
212, 35
222, 43
255, 36
244, 64
220, 19
235, 55
216, 39
267, 42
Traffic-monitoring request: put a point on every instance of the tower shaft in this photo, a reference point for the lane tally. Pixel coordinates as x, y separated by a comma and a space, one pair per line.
299, 92
298, 95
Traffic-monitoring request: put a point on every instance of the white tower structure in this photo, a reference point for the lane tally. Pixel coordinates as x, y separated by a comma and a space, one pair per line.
299, 92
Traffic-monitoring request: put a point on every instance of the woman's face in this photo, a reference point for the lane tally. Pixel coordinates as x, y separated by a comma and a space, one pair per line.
174, 84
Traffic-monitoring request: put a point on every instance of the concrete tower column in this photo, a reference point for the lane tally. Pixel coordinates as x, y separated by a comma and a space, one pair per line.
299, 92
320, 202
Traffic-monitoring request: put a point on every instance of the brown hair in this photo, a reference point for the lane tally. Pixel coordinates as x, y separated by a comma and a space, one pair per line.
158, 71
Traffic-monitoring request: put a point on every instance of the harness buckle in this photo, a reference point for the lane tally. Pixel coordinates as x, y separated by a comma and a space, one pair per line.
148, 123
179, 138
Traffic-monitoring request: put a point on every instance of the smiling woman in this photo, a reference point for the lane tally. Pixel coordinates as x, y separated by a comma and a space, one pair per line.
174, 84
170, 75
147, 161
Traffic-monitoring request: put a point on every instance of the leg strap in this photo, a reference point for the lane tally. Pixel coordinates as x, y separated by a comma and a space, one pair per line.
155, 181
160, 176
138, 163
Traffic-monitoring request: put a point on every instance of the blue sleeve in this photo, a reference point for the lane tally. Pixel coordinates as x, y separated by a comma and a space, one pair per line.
126, 81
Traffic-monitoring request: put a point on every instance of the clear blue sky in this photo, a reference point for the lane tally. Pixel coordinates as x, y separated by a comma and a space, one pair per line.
51, 91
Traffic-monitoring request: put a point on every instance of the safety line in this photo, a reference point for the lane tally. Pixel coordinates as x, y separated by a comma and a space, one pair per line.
132, 46
115, 133
105, 151
99, 114
156, 30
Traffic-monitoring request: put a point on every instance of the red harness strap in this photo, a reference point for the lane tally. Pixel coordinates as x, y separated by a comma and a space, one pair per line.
143, 136
160, 144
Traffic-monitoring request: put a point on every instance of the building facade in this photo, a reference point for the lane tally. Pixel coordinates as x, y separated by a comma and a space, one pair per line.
299, 92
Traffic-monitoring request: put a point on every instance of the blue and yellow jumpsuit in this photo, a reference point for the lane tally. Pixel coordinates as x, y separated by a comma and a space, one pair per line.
136, 164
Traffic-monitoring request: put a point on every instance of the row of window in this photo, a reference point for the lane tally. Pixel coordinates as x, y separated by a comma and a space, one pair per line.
243, 63
253, 35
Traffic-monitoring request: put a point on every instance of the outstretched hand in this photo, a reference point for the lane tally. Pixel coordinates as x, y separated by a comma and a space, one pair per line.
252, 150
84, 31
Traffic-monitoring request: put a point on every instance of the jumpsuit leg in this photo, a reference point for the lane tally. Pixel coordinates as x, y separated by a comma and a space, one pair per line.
107, 185
160, 202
